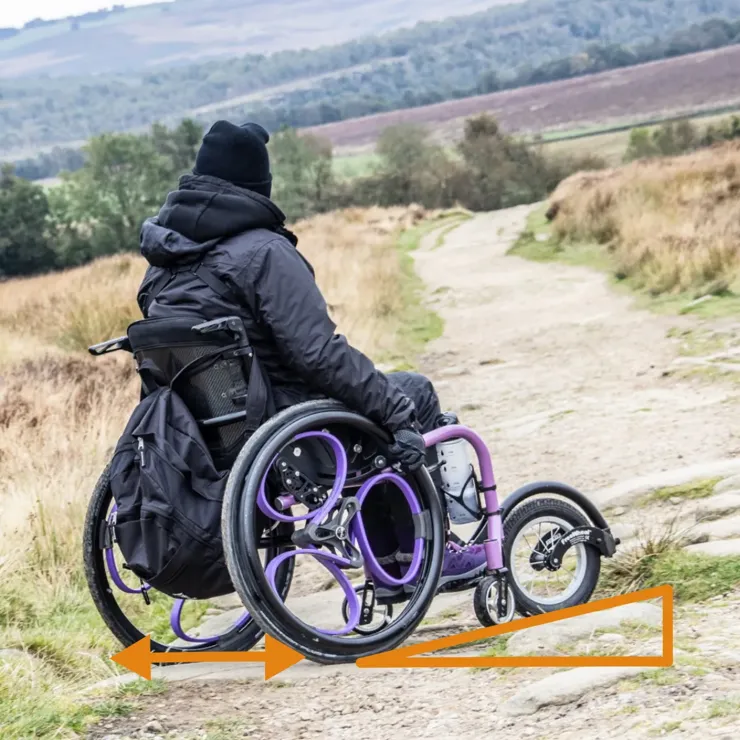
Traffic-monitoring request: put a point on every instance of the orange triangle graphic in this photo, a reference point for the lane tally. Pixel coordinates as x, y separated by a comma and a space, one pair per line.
410, 655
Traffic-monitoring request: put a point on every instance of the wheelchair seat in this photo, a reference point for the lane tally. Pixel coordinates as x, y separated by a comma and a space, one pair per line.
210, 367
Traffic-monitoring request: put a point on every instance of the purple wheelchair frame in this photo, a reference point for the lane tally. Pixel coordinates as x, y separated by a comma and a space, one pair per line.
492, 521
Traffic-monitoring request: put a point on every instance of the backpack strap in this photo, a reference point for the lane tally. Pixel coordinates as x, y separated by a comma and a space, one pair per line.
213, 281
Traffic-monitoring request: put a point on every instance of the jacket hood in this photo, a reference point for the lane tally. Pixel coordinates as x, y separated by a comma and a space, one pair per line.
203, 211
164, 247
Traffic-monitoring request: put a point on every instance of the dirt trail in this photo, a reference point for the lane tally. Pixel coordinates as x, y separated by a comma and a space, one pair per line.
559, 373
565, 380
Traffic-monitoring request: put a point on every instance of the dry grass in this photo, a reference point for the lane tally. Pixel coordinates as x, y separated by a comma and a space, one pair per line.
75, 308
671, 225
357, 268
61, 413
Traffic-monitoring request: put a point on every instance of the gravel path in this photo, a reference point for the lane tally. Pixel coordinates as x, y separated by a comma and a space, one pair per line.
565, 379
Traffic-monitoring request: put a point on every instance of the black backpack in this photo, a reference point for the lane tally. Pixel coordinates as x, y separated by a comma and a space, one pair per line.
167, 488
168, 495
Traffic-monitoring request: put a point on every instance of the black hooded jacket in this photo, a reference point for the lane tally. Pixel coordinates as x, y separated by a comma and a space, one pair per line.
240, 236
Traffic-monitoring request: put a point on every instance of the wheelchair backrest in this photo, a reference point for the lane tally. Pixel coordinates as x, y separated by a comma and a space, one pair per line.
209, 371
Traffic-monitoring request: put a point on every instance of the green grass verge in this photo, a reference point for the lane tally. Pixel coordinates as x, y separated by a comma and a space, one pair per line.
695, 577
55, 645
418, 324
54, 710
538, 243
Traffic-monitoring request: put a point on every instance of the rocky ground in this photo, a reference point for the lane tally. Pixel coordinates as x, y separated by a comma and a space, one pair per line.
565, 380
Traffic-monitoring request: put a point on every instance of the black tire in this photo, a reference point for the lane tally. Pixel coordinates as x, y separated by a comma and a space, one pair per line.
486, 613
240, 541
103, 591
519, 518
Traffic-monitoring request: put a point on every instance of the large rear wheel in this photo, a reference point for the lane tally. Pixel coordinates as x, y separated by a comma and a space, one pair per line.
258, 485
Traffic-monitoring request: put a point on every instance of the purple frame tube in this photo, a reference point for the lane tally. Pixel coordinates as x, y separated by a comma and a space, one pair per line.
494, 528
177, 628
333, 563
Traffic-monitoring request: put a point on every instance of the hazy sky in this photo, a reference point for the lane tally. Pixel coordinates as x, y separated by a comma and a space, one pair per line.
17, 12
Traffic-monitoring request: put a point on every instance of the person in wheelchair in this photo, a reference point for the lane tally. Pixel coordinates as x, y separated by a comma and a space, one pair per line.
221, 219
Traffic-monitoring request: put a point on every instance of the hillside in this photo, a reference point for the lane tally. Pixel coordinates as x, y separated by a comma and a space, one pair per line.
687, 84
184, 31
502, 47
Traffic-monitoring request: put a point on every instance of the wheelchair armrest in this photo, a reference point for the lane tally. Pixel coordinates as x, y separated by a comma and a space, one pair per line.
112, 345
231, 324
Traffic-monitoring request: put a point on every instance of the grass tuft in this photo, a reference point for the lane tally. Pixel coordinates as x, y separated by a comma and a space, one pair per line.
667, 227
659, 559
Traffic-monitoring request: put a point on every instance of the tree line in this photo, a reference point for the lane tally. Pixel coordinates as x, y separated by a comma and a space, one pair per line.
505, 46
99, 209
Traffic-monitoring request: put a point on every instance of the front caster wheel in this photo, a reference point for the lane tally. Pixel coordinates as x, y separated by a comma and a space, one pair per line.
531, 533
485, 602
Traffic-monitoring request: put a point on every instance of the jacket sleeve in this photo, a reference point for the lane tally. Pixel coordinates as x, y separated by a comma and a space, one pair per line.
289, 302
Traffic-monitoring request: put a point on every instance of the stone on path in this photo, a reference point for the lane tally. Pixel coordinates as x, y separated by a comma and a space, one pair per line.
623, 530
230, 601
718, 548
728, 484
563, 688
720, 529
718, 505
626, 493
545, 637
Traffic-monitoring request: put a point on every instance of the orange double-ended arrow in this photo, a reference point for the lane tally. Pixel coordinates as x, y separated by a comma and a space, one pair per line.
139, 657
278, 657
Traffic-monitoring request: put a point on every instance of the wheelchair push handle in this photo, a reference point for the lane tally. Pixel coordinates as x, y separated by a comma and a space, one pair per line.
112, 345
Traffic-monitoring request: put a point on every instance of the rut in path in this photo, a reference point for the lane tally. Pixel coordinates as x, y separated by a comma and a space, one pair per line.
564, 379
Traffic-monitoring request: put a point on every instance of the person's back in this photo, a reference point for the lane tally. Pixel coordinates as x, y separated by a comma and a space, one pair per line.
222, 217
235, 233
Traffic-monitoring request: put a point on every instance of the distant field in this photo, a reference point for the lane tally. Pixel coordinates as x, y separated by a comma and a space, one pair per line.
188, 30
684, 85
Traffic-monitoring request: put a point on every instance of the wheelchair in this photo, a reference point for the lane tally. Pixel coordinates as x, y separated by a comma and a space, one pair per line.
314, 484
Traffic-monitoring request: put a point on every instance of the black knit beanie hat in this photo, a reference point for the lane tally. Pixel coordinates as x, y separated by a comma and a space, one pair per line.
237, 154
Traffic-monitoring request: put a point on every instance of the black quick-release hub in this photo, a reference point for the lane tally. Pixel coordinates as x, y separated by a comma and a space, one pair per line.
333, 533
